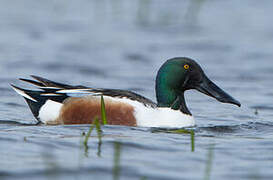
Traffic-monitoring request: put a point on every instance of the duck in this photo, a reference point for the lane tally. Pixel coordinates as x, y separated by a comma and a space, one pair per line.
55, 103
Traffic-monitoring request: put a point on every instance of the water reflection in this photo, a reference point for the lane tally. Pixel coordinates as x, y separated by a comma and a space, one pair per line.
52, 167
146, 15
193, 11
143, 12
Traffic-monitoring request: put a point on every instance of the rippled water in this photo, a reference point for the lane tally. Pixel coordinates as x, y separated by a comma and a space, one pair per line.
121, 44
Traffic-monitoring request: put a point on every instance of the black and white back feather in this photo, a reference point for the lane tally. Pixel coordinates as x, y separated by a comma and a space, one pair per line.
58, 92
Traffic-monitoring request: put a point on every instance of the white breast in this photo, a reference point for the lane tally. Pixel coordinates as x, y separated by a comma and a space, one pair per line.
159, 117
163, 117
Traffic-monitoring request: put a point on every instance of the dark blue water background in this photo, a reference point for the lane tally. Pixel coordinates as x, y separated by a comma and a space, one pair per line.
121, 44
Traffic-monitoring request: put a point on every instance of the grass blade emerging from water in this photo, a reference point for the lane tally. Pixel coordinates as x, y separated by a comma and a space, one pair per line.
103, 112
192, 141
98, 128
95, 124
116, 168
88, 135
209, 163
99, 134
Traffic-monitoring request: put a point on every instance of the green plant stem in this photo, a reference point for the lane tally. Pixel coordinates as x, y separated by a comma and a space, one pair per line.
209, 163
116, 168
192, 141
103, 112
88, 135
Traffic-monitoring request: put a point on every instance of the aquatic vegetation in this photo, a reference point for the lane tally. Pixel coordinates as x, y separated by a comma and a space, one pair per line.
52, 167
192, 141
88, 135
178, 131
209, 162
185, 131
96, 124
99, 135
192, 13
116, 168
103, 112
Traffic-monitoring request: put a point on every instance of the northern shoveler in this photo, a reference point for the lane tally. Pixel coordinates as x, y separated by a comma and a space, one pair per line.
57, 103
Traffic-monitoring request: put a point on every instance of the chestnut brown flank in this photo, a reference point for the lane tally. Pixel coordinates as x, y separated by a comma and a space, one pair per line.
83, 110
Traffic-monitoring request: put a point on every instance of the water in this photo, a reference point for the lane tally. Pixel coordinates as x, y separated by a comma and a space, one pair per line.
121, 44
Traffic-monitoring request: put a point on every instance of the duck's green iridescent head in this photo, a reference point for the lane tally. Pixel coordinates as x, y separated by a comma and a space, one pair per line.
179, 74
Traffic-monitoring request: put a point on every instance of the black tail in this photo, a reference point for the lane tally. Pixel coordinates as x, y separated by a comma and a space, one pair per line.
35, 100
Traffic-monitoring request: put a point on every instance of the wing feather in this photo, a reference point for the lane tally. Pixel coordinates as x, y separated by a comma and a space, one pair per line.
54, 90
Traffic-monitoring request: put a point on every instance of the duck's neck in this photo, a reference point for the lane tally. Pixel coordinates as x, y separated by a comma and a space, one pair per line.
168, 88
172, 99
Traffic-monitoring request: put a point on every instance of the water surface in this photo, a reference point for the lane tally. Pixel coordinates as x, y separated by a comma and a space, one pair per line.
121, 44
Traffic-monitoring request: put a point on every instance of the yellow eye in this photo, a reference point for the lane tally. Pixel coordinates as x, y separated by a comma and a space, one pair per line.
186, 66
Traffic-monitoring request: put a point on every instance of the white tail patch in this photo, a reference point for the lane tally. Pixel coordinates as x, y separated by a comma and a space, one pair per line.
22, 93
50, 111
